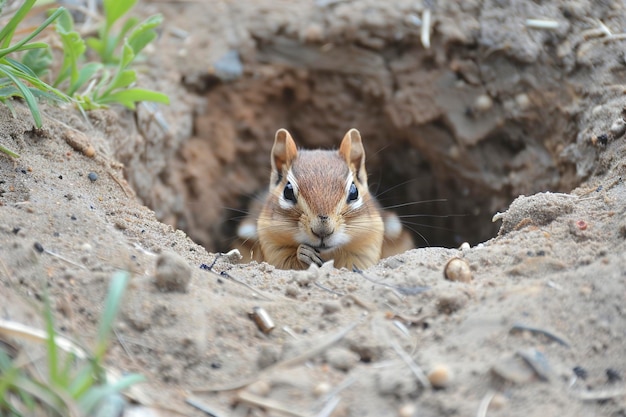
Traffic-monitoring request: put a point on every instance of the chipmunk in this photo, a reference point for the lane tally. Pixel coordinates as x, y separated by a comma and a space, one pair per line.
319, 208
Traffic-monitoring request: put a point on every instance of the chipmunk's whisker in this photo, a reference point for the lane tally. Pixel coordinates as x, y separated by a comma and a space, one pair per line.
396, 186
434, 216
428, 226
419, 234
437, 200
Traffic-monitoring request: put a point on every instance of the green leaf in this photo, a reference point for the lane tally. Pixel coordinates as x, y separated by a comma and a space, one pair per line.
14, 155
6, 34
20, 45
20, 67
96, 44
84, 75
144, 33
111, 307
127, 56
73, 50
25, 93
38, 60
65, 22
93, 397
128, 25
114, 9
129, 97
122, 79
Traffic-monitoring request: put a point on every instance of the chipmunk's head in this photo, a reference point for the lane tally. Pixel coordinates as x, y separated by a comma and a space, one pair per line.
321, 196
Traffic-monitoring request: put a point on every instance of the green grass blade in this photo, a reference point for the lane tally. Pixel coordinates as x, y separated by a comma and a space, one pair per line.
111, 307
82, 382
25, 93
18, 46
51, 346
10, 153
129, 97
38, 60
91, 400
6, 34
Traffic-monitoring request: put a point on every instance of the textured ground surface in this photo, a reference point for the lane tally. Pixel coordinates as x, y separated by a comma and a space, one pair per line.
547, 291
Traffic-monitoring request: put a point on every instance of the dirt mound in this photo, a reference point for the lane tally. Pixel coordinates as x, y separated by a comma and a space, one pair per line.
496, 107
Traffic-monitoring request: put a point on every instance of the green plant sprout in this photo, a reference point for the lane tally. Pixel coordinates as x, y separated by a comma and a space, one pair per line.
17, 79
113, 75
68, 388
89, 85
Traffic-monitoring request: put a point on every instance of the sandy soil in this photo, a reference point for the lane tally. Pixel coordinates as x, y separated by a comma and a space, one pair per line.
539, 330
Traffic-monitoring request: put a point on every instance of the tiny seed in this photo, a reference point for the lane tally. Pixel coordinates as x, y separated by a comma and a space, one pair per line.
440, 376
457, 269
92, 176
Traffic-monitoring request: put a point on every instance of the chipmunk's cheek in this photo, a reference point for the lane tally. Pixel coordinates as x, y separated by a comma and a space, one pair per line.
338, 239
303, 238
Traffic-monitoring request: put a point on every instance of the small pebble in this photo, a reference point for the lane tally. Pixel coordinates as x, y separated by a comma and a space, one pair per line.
483, 103
580, 372
172, 273
618, 128
523, 101
268, 355
341, 359
449, 302
38, 247
440, 376
260, 388
89, 152
498, 402
407, 410
321, 389
457, 269
330, 307
292, 291
612, 375
92, 176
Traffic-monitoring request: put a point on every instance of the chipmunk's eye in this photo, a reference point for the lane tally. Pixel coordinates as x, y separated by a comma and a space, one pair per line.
288, 193
353, 193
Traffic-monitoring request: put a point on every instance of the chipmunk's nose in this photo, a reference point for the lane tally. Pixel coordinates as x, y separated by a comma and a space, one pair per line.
322, 227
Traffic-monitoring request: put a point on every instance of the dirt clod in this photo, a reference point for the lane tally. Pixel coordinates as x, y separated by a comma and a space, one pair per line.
172, 273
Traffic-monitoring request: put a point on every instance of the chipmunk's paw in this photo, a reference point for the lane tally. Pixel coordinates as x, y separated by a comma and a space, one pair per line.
307, 255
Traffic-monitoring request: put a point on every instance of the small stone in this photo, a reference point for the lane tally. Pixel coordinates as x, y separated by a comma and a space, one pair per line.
396, 382
268, 355
523, 101
172, 273
321, 389
341, 358
498, 402
330, 307
407, 410
38, 247
440, 376
458, 269
514, 370
92, 176
89, 151
618, 128
449, 302
260, 388
292, 291
483, 103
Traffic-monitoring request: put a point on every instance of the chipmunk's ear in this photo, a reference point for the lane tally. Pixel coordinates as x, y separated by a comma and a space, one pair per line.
352, 151
283, 152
